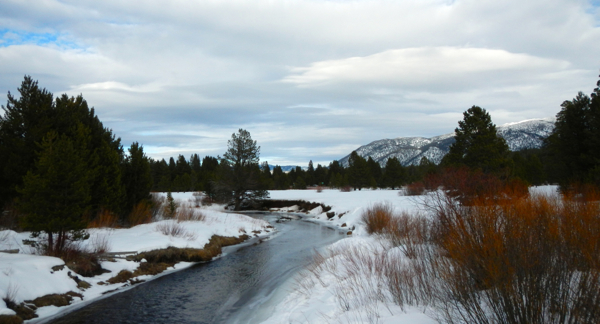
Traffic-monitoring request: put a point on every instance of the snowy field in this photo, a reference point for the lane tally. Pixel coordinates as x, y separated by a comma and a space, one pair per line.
334, 291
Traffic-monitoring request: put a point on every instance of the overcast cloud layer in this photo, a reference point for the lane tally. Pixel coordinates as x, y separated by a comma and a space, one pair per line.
310, 80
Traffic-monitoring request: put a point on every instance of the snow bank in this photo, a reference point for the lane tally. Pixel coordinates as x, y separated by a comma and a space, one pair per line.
25, 276
332, 292
347, 206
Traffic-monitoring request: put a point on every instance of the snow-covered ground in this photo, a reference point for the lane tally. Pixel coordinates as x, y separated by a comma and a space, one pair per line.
26, 276
335, 290
338, 291
345, 285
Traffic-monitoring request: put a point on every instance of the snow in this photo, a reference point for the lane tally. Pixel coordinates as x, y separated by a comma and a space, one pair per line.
26, 276
310, 297
350, 204
323, 296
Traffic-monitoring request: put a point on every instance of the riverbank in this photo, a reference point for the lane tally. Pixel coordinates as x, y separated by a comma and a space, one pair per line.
25, 277
344, 284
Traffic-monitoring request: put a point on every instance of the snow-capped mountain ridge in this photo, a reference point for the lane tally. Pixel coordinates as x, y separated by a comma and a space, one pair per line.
409, 150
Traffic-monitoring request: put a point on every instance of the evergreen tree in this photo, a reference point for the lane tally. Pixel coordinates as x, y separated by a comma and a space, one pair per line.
280, 179
136, 176
210, 165
56, 193
478, 144
182, 166
320, 175
310, 174
25, 122
394, 174
574, 145
172, 168
358, 171
266, 177
241, 174
375, 171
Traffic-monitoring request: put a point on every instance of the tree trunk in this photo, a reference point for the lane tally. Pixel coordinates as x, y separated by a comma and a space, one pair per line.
50, 243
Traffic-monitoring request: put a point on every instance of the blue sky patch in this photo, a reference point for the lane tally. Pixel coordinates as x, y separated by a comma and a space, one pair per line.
9, 37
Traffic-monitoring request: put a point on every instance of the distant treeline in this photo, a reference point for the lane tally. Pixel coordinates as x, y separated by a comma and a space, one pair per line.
195, 174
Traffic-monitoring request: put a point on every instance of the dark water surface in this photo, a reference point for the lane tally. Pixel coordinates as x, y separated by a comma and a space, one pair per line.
238, 288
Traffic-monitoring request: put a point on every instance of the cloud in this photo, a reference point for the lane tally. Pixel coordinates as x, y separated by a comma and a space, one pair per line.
430, 68
308, 78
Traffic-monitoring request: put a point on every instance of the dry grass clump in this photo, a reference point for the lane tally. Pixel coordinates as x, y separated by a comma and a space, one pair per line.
99, 244
105, 218
157, 202
174, 229
10, 319
141, 214
122, 276
185, 214
172, 255
353, 274
377, 218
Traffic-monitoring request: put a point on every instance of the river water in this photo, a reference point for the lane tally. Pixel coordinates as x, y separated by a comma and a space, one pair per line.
242, 287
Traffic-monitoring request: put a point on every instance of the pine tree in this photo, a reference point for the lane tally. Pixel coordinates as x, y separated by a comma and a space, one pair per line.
310, 174
574, 145
137, 177
55, 195
478, 144
375, 171
240, 171
358, 171
394, 174
25, 122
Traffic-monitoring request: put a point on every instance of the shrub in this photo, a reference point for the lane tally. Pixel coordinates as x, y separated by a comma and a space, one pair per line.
474, 186
185, 213
170, 207
105, 218
534, 260
378, 217
157, 202
141, 214
198, 197
173, 228
414, 189
345, 189
99, 244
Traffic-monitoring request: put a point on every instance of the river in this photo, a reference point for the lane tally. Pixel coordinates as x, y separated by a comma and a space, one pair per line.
241, 287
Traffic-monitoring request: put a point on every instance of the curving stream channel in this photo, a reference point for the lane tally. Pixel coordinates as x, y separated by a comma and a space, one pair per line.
242, 287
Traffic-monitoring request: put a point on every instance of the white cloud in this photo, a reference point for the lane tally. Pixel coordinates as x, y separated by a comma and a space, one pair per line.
426, 68
352, 71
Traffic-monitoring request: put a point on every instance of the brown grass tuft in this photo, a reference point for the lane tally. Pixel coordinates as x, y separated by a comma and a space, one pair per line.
378, 218
105, 218
141, 214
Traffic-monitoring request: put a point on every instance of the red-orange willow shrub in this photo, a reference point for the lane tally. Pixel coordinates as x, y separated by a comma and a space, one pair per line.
473, 186
533, 260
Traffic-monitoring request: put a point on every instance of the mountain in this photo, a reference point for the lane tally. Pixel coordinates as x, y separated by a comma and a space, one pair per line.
409, 150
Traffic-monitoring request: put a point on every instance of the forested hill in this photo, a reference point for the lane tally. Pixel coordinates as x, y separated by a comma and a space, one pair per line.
409, 150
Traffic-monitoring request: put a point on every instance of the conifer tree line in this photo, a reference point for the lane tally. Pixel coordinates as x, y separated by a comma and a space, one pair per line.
193, 174
60, 167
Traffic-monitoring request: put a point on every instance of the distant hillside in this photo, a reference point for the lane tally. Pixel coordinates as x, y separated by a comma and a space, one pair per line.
409, 150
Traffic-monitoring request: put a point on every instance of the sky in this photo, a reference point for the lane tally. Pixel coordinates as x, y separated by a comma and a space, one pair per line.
309, 79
